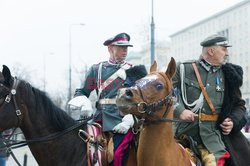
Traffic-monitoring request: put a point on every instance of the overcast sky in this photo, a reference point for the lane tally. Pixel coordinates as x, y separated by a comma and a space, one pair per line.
34, 34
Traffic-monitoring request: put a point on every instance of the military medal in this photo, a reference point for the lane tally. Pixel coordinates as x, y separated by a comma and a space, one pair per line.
218, 88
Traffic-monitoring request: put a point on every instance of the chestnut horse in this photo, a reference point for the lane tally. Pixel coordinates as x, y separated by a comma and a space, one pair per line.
150, 100
51, 134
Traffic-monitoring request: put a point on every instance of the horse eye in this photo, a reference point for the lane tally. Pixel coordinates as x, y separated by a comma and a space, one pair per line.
159, 87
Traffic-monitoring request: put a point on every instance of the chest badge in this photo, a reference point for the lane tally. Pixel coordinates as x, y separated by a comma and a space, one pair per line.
218, 84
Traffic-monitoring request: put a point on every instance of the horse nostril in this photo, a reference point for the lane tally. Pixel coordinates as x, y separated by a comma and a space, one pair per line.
128, 94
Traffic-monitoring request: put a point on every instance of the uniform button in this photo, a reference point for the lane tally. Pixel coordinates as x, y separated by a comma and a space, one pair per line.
208, 84
192, 83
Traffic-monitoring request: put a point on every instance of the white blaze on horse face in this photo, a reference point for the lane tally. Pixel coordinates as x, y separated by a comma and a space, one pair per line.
147, 81
143, 82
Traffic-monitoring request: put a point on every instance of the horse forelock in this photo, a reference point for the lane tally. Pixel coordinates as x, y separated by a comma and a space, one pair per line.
42, 104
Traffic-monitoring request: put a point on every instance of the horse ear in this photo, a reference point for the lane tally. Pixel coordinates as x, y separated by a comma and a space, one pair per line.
6, 74
153, 67
171, 68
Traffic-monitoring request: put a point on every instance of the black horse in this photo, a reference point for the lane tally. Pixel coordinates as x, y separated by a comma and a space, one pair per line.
28, 108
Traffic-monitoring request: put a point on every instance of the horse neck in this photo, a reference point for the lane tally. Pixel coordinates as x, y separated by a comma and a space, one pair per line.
157, 144
49, 153
32, 128
64, 150
160, 133
36, 125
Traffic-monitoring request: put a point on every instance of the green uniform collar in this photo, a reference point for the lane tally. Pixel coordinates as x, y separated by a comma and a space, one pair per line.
208, 66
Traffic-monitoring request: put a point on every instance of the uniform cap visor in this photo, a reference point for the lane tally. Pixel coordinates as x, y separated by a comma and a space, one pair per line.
123, 43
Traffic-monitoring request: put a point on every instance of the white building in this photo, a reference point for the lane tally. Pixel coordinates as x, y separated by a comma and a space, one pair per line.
162, 55
234, 23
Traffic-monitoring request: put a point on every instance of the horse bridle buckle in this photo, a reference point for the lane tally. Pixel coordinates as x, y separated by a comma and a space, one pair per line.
7, 99
141, 104
18, 112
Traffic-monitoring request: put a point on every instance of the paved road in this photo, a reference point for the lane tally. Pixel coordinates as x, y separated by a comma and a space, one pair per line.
19, 153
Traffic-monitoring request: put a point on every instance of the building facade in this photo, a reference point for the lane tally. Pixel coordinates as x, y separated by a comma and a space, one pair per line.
234, 23
162, 55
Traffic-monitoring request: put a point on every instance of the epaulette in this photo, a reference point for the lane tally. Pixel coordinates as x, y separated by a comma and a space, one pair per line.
189, 61
103, 63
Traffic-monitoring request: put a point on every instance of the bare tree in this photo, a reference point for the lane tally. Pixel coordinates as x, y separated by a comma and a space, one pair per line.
22, 72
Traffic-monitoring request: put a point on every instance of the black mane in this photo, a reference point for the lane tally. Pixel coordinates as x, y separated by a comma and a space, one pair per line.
58, 118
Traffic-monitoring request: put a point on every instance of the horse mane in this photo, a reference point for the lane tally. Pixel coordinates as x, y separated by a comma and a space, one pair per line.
58, 118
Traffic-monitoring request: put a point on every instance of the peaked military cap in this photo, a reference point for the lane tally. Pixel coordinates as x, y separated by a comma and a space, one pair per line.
122, 39
215, 40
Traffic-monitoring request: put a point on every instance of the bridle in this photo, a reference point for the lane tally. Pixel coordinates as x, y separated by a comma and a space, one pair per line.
12, 144
149, 109
12, 94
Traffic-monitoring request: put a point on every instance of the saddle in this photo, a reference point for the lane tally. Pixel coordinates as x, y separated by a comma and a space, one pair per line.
191, 148
100, 148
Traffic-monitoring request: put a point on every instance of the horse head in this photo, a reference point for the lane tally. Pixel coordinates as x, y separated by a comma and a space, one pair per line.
150, 94
21, 105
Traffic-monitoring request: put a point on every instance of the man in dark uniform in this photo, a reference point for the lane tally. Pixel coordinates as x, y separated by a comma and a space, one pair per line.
218, 112
107, 77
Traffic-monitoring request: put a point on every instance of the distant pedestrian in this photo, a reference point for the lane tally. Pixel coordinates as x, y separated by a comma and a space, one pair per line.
3, 150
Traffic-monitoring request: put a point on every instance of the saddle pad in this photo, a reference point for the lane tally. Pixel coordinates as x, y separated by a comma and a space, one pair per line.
192, 163
95, 132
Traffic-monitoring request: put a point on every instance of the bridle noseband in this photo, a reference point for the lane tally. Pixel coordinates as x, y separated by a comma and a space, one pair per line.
149, 109
12, 94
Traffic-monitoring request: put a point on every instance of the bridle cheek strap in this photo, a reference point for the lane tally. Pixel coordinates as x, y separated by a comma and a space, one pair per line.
8, 99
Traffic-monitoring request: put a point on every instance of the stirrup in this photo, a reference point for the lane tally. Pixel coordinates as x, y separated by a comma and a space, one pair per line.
85, 136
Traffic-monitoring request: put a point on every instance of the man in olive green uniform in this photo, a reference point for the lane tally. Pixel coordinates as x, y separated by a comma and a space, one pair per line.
209, 124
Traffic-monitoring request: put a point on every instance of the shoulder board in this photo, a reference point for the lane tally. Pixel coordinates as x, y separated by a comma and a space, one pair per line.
103, 62
189, 61
126, 66
96, 66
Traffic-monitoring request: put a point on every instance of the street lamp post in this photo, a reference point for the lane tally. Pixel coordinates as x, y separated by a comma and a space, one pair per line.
70, 59
152, 43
